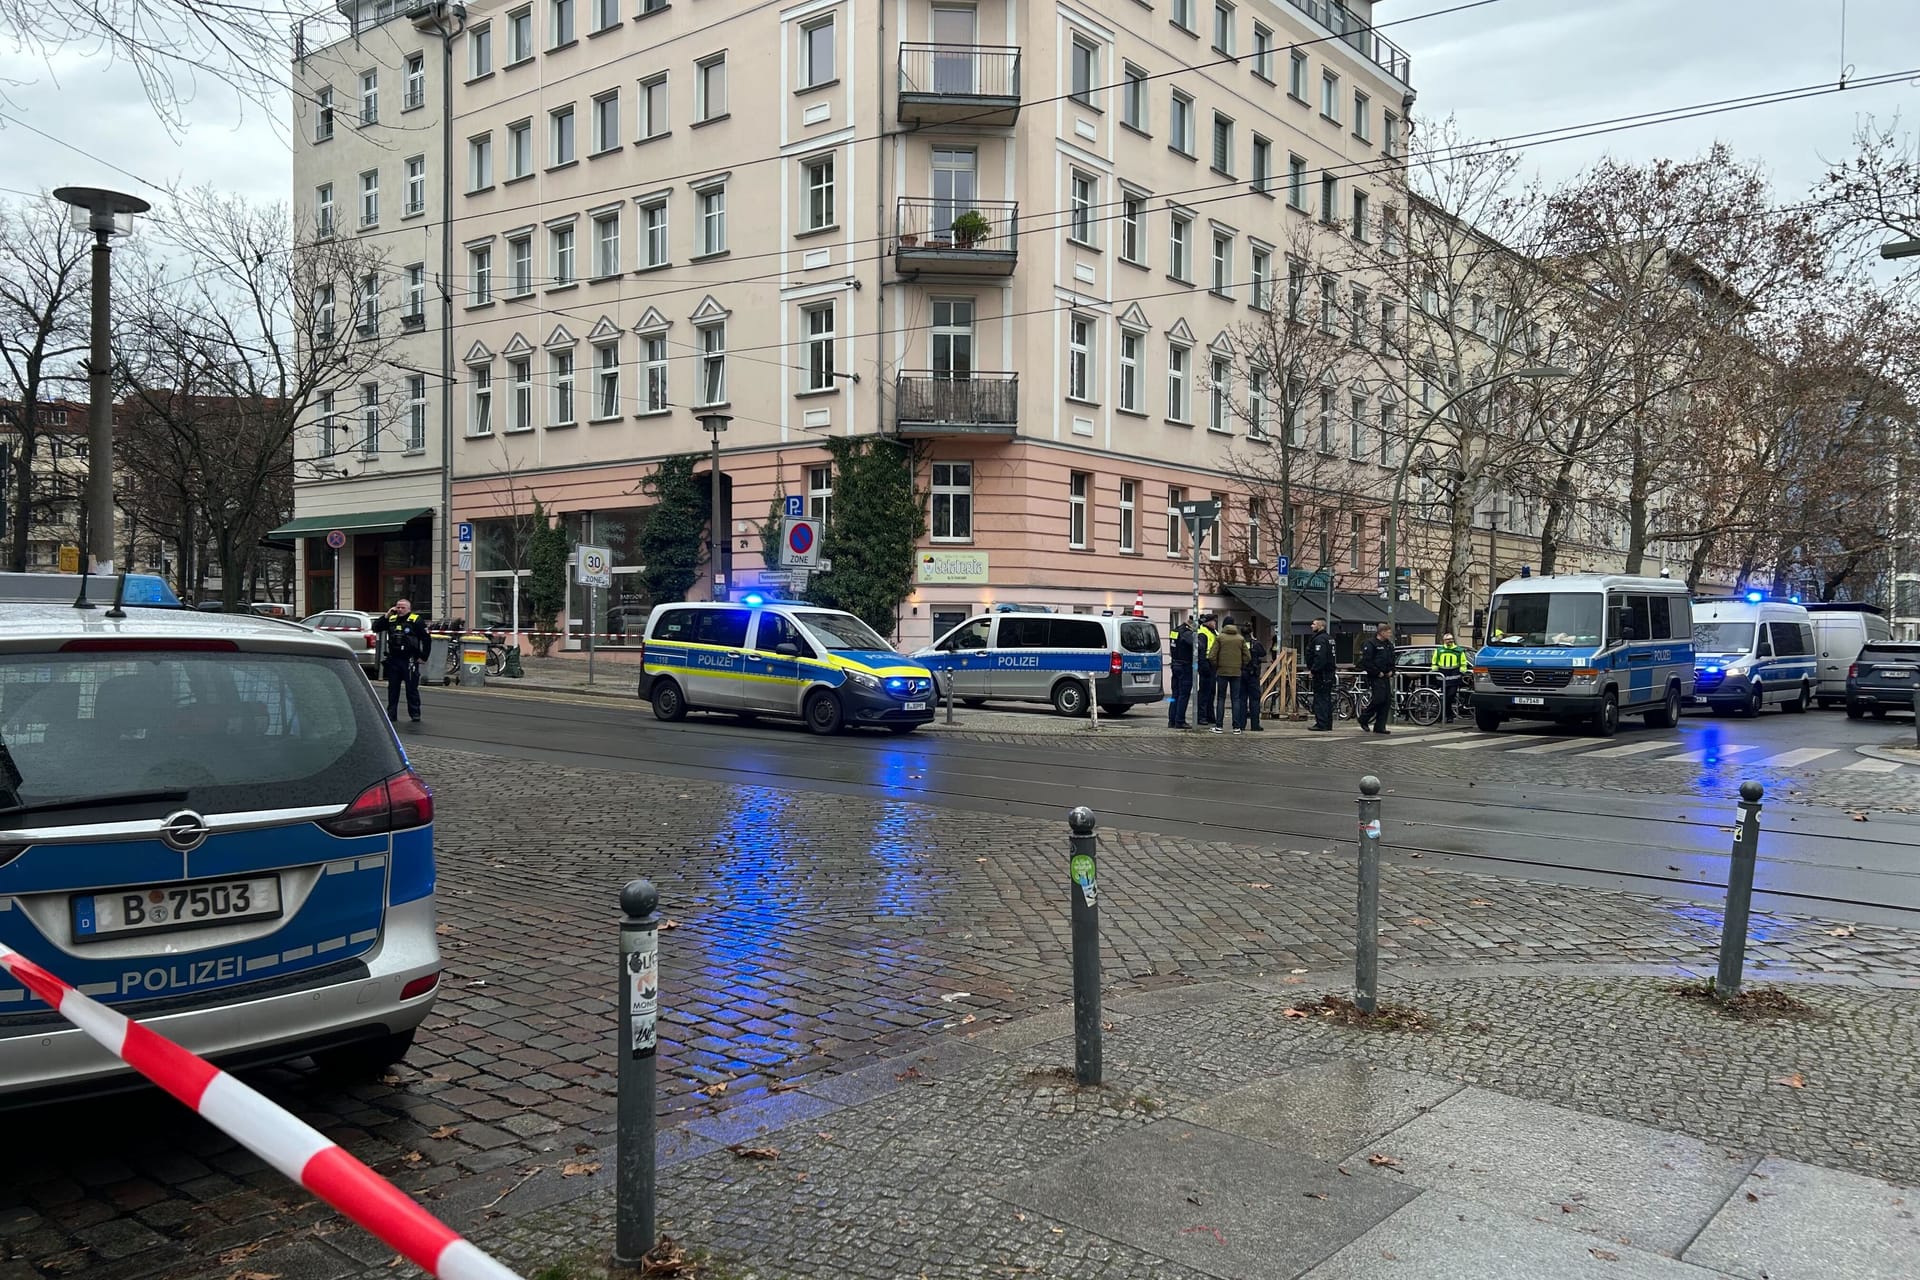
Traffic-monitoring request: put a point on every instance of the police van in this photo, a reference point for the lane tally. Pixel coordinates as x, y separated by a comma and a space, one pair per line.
134, 590
764, 657
1752, 652
1585, 647
1046, 657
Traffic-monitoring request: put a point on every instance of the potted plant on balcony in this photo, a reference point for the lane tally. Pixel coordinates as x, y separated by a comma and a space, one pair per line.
970, 228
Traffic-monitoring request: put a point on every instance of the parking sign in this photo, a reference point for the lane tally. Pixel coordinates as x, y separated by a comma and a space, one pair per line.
799, 544
794, 507
464, 530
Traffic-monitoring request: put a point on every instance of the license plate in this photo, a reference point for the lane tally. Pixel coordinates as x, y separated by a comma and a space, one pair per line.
1529, 702
916, 706
125, 912
1142, 677
1697, 700
1900, 673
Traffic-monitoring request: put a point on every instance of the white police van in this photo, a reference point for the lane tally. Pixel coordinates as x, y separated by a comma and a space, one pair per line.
1752, 652
1032, 656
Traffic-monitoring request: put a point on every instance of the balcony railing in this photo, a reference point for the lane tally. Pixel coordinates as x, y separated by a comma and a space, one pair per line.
960, 83
956, 237
1372, 46
929, 403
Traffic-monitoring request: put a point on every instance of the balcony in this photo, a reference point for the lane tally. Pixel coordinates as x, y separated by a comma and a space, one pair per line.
927, 404
960, 83
1370, 44
956, 238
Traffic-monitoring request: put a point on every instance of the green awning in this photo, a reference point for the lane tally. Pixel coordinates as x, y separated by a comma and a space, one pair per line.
350, 522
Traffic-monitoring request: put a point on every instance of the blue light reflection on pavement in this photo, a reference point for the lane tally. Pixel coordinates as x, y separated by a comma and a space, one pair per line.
1761, 927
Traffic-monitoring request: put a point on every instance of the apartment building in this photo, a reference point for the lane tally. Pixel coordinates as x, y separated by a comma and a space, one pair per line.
59, 478
368, 169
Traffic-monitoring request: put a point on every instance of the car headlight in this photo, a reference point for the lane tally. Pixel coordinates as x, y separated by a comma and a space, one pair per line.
1738, 668
864, 680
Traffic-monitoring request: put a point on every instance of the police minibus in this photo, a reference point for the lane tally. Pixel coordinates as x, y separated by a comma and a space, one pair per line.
1585, 647
1031, 656
1751, 652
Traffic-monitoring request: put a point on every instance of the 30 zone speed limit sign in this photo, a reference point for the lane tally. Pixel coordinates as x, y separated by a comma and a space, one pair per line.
799, 543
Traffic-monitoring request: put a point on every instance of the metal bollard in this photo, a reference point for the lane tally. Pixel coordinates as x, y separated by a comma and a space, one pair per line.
1093, 701
639, 1009
1366, 943
1733, 928
949, 697
1086, 946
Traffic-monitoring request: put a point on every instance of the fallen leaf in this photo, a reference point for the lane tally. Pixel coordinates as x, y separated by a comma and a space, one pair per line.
785, 1086
412, 1157
1379, 1161
1568, 1208
1844, 931
1479, 902
911, 1073
444, 1132
1419, 920
1258, 884
718, 1086
667, 926
1605, 1255
1856, 815
1314, 1195
579, 1168
1793, 1081
241, 1253
1342, 1172
1293, 1013
443, 929
1752, 1198
746, 1152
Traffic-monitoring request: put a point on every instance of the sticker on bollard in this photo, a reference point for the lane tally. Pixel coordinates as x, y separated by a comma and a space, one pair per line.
1080, 866
643, 992
1371, 830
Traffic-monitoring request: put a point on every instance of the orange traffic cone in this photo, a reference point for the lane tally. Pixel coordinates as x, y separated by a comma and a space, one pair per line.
1139, 604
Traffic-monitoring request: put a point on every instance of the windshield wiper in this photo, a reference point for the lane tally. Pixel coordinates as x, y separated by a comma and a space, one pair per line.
89, 802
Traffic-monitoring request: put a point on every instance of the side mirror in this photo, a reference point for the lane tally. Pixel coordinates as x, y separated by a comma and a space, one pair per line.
787, 650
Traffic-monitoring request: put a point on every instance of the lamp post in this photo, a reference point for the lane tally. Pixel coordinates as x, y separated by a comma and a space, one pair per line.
1529, 373
715, 423
1900, 249
106, 214
1494, 512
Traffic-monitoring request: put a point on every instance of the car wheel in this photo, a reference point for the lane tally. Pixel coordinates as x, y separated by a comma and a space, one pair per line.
1825, 704
823, 712
1114, 710
1606, 721
1486, 721
1800, 704
973, 703
1070, 698
363, 1059
1879, 713
1756, 701
668, 702
1669, 713
1856, 712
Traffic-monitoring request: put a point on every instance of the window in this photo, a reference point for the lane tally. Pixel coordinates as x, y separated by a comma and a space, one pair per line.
1219, 388
519, 36
653, 107
519, 149
712, 208
520, 265
1358, 313
521, 373
1326, 420
369, 302
1329, 198
416, 83
710, 89
1263, 53
370, 420
416, 187
1330, 96
817, 52
1133, 213
1079, 358
1357, 429
480, 51
1259, 278
653, 240
1223, 28
1356, 541
1180, 123
653, 360
1390, 135
1133, 98
606, 14
369, 97
323, 312
323, 209
370, 198
713, 364
1297, 75
323, 114
560, 139
1362, 116
1175, 525
1223, 144
560, 241
1079, 488
1130, 397
1129, 504
1296, 287
1180, 249
1292, 392
1257, 403
820, 347
560, 374
480, 403
953, 502
1081, 201
1262, 164
606, 122
1222, 262
1253, 530
1084, 70
606, 244
1213, 527
817, 177
1389, 431
1360, 216
1297, 183
1329, 304
416, 293
1390, 232
560, 28
1183, 15
1389, 324
416, 413
480, 162
819, 492
1179, 368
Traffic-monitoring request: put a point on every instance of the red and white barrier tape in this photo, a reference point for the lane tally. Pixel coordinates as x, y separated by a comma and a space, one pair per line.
284, 1141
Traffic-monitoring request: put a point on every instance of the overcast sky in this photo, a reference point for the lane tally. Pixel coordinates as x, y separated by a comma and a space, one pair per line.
1509, 67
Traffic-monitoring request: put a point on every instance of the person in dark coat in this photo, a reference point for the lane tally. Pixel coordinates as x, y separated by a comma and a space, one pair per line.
1250, 678
1376, 662
1180, 657
1321, 665
408, 641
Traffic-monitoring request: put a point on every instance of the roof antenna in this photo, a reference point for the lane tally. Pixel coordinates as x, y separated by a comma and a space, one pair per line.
80, 601
119, 597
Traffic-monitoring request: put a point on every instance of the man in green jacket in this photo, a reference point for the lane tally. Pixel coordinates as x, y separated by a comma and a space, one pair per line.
1229, 660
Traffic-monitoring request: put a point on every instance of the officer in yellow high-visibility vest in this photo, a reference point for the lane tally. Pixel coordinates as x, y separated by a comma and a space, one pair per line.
1206, 639
1450, 660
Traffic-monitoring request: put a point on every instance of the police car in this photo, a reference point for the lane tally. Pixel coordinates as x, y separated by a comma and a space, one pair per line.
207, 823
761, 657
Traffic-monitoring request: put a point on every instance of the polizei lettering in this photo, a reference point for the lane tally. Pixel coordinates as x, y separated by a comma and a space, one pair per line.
191, 973
1012, 661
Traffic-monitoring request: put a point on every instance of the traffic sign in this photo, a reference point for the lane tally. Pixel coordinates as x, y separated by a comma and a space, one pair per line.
1201, 511
793, 506
336, 539
466, 556
1281, 565
594, 566
799, 543
465, 530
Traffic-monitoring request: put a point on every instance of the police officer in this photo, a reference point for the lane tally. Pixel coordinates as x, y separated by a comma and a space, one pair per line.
1321, 664
1376, 661
1450, 660
1250, 678
408, 642
1206, 639
1180, 654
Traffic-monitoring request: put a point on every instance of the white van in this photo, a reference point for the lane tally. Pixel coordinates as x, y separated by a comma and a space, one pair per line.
1840, 631
1750, 652
1046, 657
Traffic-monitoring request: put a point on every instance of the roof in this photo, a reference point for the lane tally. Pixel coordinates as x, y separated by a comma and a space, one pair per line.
37, 627
1349, 607
350, 522
1593, 582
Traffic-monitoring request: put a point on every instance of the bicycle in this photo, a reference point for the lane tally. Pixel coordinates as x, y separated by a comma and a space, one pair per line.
496, 652
1345, 707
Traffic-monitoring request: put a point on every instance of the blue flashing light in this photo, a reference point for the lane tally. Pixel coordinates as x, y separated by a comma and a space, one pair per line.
753, 598
1755, 597
1794, 599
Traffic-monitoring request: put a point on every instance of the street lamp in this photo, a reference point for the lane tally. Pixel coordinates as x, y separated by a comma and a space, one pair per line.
1494, 512
715, 423
106, 214
1900, 249
1529, 373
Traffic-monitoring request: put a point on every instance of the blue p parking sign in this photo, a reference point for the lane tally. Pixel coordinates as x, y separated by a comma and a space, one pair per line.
1281, 565
795, 506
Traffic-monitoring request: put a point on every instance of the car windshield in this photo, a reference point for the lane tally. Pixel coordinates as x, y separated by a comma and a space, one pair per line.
1723, 637
225, 732
1546, 619
844, 632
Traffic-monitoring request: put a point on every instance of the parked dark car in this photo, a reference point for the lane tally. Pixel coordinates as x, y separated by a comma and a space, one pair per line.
1883, 679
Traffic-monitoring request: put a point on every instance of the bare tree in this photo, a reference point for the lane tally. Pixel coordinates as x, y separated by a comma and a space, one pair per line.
1874, 195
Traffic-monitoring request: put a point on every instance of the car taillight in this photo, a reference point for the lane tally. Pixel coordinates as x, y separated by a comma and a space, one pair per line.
392, 804
420, 986
1113, 667
1853, 670
372, 639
